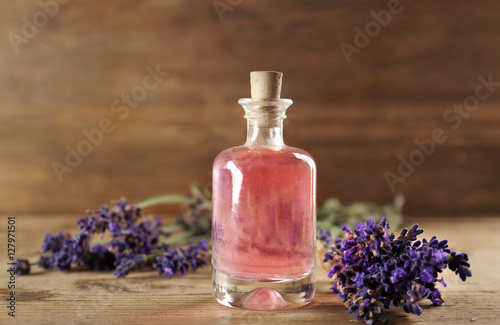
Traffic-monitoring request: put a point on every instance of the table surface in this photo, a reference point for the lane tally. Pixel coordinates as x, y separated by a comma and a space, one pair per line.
79, 297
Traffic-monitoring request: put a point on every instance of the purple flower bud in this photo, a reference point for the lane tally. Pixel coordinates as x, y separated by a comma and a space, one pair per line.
22, 267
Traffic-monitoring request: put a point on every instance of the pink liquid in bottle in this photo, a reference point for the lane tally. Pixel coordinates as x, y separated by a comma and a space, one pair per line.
263, 213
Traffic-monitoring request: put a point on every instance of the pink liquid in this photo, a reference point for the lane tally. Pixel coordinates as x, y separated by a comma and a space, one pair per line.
264, 219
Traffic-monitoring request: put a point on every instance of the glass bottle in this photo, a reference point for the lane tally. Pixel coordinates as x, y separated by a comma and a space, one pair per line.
264, 210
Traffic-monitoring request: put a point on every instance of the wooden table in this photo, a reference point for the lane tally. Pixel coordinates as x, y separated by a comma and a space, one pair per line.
80, 297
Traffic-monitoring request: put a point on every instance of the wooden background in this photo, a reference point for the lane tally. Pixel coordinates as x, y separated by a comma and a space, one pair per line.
355, 119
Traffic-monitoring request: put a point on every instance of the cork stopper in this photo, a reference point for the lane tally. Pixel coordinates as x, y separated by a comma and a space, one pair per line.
266, 84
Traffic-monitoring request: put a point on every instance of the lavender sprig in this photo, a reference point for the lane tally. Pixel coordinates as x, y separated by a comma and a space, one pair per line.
134, 242
178, 261
374, 269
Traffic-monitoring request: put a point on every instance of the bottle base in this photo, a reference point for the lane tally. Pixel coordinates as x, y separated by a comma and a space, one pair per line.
256, 295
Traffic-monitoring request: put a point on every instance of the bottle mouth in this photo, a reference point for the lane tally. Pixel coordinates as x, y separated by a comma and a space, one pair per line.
282, 102
266, 109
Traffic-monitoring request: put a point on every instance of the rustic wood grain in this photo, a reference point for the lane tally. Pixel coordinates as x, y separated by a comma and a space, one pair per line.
356, 119
80, 297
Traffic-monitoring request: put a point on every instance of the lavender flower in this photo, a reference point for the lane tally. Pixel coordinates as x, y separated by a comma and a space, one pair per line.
100, 258
324, 236
65, 250
178, 261
54, 243
375, 269
120, 216
45, 262
22, 267
197, 213
196, 255
124, 267
171, 263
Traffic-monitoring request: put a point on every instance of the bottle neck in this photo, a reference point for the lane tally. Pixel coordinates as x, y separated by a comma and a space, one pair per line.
265, 120
259, 134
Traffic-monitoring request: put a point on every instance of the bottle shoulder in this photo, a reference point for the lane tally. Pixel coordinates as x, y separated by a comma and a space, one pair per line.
300, 151
278, 153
